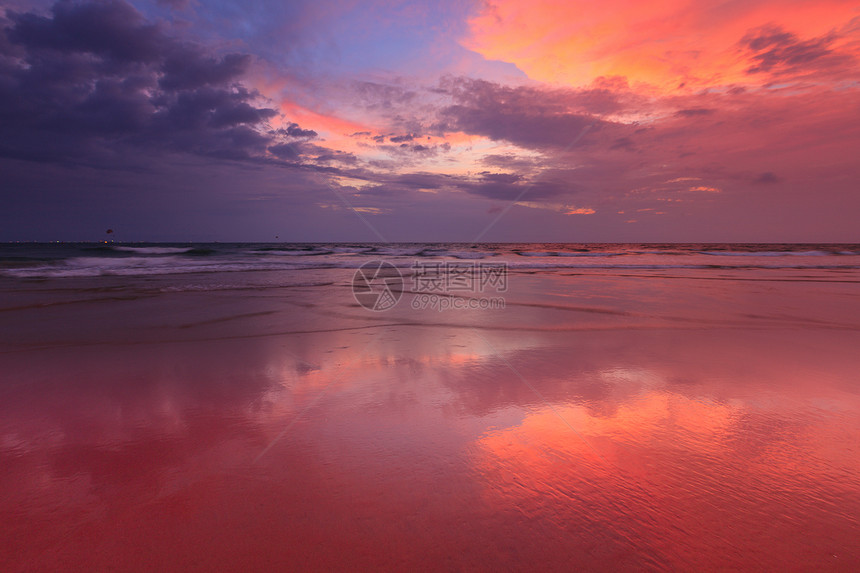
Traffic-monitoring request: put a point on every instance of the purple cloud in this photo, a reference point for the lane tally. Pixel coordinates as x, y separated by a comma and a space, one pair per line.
773, 50
527, 116
95, 79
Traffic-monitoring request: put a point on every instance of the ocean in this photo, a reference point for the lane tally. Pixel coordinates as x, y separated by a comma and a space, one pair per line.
59, 260
329, 406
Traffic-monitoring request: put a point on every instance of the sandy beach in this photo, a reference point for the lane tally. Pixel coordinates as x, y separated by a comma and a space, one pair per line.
603, 420
461, 285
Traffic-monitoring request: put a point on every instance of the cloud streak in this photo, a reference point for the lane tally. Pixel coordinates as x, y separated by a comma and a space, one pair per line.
747, 133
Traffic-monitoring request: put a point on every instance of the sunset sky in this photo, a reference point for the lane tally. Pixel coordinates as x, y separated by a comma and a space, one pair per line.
546, 120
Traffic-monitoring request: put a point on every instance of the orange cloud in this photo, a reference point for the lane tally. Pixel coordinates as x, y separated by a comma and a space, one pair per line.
663, 44
310, 119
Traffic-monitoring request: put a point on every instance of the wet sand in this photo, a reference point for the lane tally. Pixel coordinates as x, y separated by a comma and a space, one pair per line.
601, 421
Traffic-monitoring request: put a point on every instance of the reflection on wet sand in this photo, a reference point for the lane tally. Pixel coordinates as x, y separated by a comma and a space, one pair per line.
407, 446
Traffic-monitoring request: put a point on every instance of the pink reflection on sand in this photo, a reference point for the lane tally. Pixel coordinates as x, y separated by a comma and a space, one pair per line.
692, 482
729, 443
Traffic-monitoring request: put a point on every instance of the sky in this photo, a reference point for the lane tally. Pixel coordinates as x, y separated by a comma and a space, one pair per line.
452, 120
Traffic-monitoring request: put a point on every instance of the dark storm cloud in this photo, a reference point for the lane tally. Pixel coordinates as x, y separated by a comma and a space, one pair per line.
424, 180
94, 81
285, 151
311, 157
408, 152
187, 69
509, 189
766, 178
293, 130
521, 164
175, 4
694, 112
623, 143
318, 154
111, 29
501, 186
773, 50
526, 116
500, 177
377, 96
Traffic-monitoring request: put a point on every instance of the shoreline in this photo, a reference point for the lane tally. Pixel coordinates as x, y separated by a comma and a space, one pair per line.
597, 419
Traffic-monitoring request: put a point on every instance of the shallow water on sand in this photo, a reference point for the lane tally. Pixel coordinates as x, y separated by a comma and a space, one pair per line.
604, 419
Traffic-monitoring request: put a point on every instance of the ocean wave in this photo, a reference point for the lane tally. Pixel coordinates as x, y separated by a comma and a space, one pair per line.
351, 250
577, 253
101, 268
399, 252
153, 250
468, 255
534, 253
136, 270
180, 288
772, 253
93, 260
292, 252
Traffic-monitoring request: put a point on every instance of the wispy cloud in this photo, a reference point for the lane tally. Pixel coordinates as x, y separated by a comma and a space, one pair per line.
721, 120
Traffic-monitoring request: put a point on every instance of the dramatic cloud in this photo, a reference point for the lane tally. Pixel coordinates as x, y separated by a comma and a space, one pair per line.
528, 116
577, 120
668, 44
93, 79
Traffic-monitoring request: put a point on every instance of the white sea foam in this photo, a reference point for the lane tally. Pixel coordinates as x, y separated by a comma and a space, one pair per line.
442, 253
351, 250
568, 254
85, 261
154, 250
767, 253
399, 252
293, 252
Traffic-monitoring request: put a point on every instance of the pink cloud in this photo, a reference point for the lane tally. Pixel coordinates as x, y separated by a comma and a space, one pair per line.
666, 44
